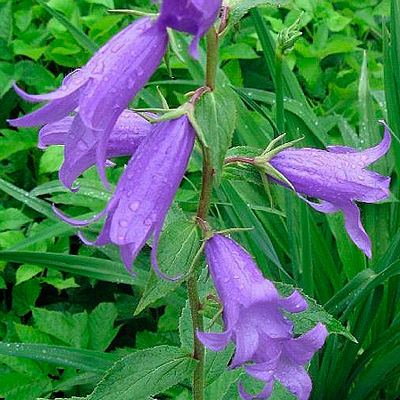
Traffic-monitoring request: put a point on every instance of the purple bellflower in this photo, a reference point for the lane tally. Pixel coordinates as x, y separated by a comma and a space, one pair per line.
337, 177
254, 320
101, 90
128, 132
192, 16
146, 190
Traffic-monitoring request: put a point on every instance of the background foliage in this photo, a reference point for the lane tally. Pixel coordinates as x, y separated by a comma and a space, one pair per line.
73, 322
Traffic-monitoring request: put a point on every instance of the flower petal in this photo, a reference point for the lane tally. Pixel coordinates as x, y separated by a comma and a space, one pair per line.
215, 341
368, 156
247, 340
51, 112
355, 229
294, 378
263, 395
71, 83
55, 133
294, 303
302, 349
324, 206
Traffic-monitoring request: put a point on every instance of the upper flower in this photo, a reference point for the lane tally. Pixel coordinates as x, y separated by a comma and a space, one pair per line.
146, 190
102, 89
192, 16
128, 132
255, 322
337, 177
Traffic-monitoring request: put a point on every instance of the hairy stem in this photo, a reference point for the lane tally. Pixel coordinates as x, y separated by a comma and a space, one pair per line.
212, 58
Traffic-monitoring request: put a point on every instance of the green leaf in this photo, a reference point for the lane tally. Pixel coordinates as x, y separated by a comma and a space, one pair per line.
84, 40
12, 218
177, 248
6, 21
315, 313
215, 114
106, 3
145, 373
25, 296
69, 328
239, 8
101, 326
87, 360
26, 272
13, 141
86, 266
51, 159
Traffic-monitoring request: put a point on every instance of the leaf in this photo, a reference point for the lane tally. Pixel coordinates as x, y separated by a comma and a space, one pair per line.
315, 313
145, 373
215, 114
12, 218
84, 40
106, 3
6, 21
69, 328
177, 248
62, 356
13, 141
24, 296
91, 267
239, 8
26, 272
101, 326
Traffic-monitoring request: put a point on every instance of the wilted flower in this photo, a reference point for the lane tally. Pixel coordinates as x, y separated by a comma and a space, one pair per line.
128, 132
337, 177
146, 190
255, 322
192, 16
102, 89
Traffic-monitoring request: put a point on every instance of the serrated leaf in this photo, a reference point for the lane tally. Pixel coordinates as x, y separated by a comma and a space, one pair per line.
145, 373
26, 272
315, 313
106, 3
178, 246
24, 296
12, 218
215, 114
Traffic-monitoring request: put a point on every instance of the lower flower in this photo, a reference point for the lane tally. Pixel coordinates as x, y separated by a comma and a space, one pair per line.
254, 320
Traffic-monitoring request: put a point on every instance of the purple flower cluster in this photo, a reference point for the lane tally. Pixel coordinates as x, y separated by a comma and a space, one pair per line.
254, 321
101, 127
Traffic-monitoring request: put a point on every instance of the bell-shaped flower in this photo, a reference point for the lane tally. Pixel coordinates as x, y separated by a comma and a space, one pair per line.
146, 190
191, 16
254, 319
128, 132
337, 177
101, 90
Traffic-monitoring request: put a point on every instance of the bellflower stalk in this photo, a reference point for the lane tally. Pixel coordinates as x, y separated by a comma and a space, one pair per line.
254, 320
191, 16
128, 132
146, 190
337, 177
101, 90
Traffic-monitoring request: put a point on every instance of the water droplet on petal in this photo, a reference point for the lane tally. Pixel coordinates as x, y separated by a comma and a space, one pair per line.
123, 223
134, 206
148, 221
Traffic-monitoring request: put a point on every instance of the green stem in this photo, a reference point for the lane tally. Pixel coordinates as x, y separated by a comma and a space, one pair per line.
212, 57
202, 211
198, 348
280, 111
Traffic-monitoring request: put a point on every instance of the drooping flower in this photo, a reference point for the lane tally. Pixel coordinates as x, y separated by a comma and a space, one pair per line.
128, 132
191, 16
254, 320
337, 177
146, 190
102, 89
